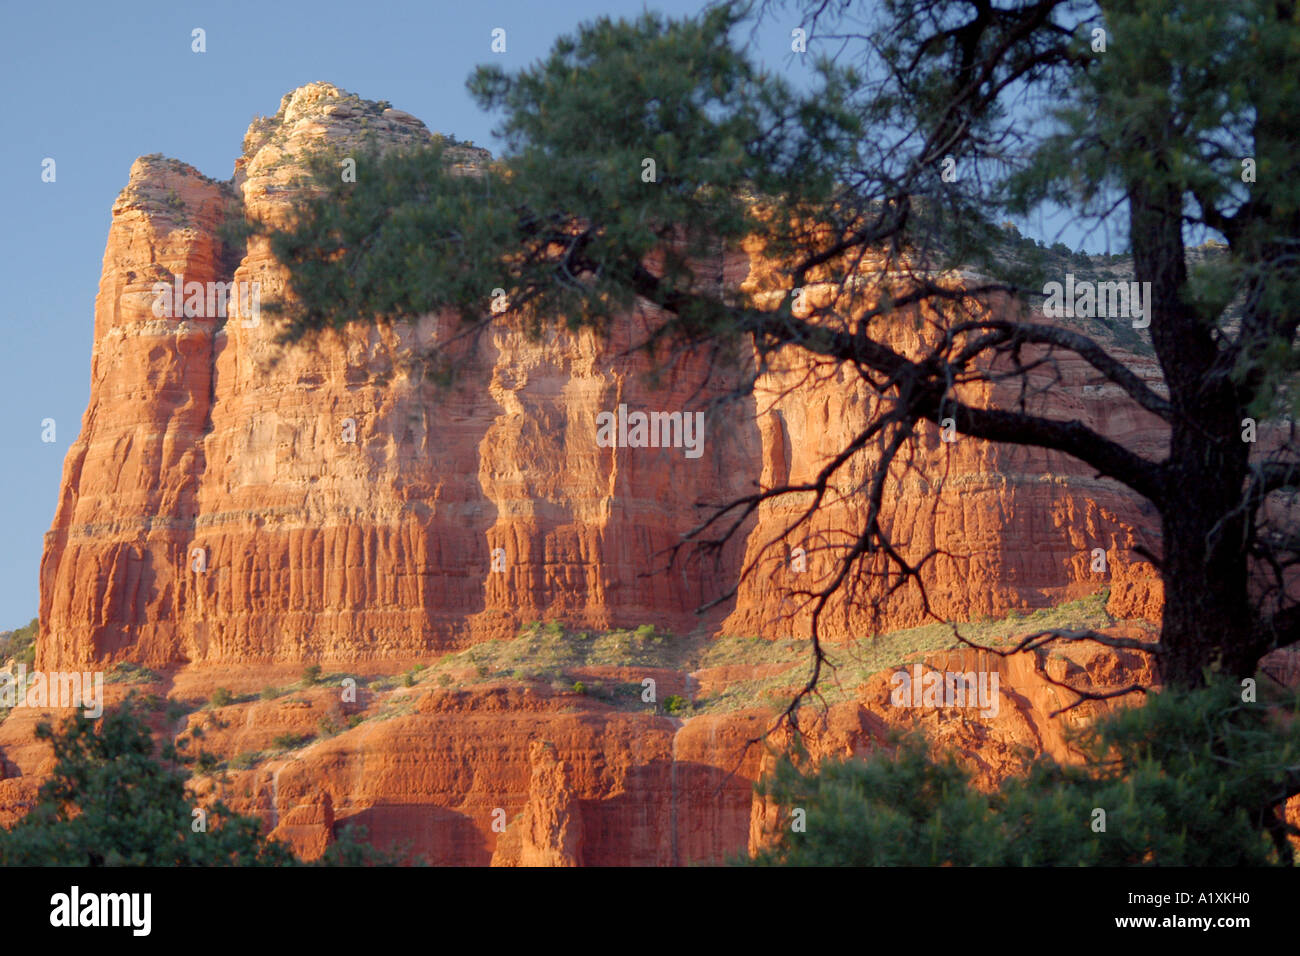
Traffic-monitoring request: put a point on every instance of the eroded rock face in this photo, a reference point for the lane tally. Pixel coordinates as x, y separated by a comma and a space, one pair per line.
995, 527
234, 508
549, 831
430, 771
114, 560
1030, 713
342, 509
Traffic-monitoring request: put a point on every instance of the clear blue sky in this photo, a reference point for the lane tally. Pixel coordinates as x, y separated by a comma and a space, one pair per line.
94, 85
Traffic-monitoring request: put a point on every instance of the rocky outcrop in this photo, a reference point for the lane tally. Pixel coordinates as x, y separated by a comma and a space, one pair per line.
113, 564
512, 774
1032, 713
231, 499
995, 527
235, 507
548, 832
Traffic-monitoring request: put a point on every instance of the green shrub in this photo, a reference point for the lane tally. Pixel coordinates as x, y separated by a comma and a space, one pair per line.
579, 687
244, 760
674, 704
269, 693
20, 644
206, 763
221, 697
311, 675
124, 672
101, 768
176, 710
290, 741
1158, 770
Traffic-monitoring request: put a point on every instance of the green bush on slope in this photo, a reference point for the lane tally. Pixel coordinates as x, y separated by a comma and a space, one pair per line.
1191, 778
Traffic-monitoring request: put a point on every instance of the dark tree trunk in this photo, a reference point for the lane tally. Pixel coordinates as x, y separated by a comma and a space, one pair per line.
1207, 619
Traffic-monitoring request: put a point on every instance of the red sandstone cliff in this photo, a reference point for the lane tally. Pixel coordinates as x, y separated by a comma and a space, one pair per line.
206, 441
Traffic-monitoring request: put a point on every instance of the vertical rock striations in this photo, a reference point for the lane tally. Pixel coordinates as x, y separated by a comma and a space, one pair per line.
343, 509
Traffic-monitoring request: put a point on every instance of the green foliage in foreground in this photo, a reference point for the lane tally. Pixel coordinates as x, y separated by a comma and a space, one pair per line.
413, 236
125, 672
20, 644
1190, 779
110, 802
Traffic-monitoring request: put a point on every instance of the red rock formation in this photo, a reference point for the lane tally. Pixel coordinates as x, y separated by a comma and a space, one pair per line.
991, 746
128, 501
343, 510
548, 832
205, 438
432, 773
